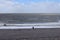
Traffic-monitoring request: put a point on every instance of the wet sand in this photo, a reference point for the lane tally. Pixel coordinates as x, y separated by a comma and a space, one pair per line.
30, 34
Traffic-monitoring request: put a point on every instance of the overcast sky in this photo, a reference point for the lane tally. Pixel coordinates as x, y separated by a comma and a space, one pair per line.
29, 6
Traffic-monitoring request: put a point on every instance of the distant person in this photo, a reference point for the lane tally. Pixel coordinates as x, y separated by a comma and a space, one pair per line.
5, 25
32, 27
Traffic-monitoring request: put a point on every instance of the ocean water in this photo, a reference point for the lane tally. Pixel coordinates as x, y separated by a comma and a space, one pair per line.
30, 26
27, 27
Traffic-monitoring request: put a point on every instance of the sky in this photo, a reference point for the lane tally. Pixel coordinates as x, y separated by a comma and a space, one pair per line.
29, 6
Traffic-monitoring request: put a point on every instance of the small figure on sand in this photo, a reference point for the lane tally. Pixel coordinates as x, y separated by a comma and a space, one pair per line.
4, 25
32, 27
